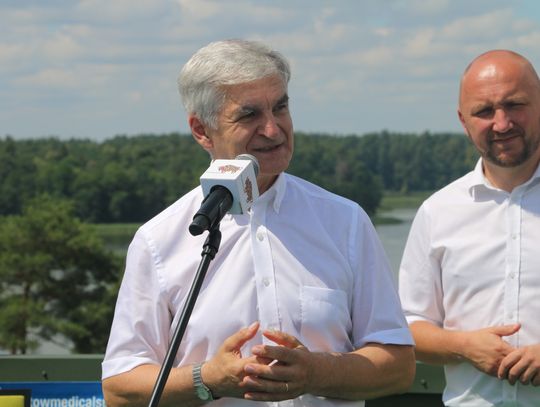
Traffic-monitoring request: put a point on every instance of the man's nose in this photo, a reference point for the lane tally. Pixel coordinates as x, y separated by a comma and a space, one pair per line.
269, 127
502, 121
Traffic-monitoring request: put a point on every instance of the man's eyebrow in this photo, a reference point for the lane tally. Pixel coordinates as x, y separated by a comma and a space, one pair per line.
246, 109
283, 99
481, 106
517, 98
250, 108
488, 105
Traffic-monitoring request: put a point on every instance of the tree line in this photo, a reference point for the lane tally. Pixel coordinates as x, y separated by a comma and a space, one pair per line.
130, 179
58, 278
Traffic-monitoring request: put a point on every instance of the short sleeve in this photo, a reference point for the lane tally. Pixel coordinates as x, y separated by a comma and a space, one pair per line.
420, 286
376, 311
141, 319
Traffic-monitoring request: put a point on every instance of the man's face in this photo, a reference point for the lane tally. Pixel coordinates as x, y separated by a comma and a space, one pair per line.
500, 111
255, 119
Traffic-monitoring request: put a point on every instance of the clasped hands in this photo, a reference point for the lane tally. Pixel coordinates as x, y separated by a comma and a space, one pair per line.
270, 373
489, 353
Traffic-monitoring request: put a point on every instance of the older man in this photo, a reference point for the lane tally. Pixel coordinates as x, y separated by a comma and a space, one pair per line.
298, 305
470, 274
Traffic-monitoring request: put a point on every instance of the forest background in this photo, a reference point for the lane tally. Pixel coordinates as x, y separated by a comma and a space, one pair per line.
58, 199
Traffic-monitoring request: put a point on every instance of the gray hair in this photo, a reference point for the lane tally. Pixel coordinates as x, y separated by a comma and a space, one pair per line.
221, 63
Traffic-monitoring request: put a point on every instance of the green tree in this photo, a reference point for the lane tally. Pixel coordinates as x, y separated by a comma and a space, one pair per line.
333, 163
55, 278
131, 179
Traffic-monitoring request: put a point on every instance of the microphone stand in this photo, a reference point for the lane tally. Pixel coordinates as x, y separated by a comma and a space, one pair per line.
210, 248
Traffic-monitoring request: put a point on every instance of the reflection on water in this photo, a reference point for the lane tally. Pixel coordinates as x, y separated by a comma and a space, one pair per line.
394, 236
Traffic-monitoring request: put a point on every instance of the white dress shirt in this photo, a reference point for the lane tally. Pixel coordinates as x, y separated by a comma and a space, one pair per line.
303, 261
472, 261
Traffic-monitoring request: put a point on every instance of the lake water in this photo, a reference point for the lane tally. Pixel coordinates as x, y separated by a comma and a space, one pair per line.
393, 237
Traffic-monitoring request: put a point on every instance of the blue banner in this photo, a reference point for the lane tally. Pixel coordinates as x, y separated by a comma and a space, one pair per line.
61, 394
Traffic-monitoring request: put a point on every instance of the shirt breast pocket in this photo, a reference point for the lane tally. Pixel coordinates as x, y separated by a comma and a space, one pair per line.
325, 320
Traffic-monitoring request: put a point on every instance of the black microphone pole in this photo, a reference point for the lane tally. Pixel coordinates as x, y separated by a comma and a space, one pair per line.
210, 248
213, 208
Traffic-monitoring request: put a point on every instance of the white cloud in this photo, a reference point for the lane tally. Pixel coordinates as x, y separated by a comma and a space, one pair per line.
200, 9
113, 63
421, 43
423, 7
61, 47
50, 78
118, 11
528, 40
383, 31
480, 27
11, 53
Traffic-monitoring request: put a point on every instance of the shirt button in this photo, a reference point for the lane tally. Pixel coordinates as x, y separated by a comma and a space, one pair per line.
510, 316
514, 237
266, 282
260, 236
512, 275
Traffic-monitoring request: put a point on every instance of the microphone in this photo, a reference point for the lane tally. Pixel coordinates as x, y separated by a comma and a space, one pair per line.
228, 186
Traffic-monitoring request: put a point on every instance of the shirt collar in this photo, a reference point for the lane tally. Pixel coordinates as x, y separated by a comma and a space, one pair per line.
535, 179
274, 195
478, 177
536, 173
480, 181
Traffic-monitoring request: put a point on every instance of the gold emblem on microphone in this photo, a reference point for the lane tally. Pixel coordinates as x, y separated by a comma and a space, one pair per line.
248, 189
229, 168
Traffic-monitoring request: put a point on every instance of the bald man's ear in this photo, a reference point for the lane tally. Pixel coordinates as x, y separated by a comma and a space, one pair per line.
462, 120
199, 132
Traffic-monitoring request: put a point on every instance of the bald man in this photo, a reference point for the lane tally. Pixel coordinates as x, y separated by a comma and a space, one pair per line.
470, 274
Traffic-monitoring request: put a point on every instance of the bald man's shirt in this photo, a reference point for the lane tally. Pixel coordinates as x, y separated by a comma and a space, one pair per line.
472, 260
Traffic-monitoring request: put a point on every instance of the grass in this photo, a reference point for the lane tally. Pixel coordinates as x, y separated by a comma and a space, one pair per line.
113, 231
385, 220
395, 200
118, 235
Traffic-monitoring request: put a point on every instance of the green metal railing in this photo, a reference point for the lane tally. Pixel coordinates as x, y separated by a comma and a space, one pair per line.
425, 391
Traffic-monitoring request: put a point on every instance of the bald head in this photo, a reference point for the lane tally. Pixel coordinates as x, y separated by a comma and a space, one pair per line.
499, 108
494, 65
497, 54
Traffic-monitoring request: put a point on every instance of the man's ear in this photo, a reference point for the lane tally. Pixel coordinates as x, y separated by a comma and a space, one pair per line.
199, 132
462, 120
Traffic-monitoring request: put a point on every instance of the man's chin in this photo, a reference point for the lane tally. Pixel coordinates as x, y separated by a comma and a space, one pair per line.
508, 161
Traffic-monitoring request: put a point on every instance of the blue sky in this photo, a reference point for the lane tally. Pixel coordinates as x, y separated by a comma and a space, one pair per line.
98, 68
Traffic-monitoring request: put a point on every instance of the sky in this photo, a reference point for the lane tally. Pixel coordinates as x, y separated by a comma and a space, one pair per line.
95, 69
